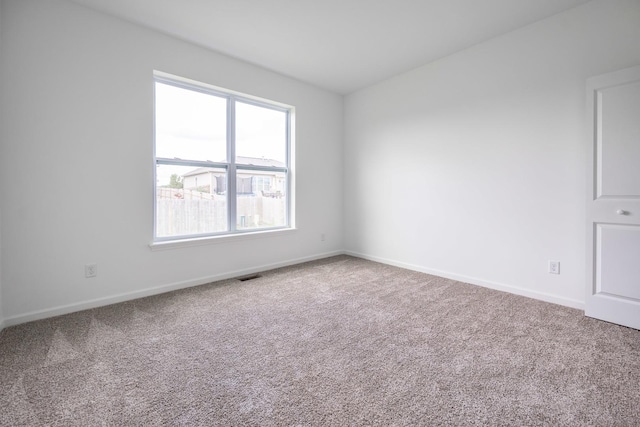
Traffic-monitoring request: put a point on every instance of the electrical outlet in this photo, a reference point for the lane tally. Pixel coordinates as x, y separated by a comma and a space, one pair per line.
554, 267
90, 270
323, 237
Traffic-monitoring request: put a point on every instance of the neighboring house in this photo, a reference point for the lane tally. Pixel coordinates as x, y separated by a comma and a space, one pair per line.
213, 180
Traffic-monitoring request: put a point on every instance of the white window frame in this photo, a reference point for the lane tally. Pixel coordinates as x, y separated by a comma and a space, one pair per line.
230, 166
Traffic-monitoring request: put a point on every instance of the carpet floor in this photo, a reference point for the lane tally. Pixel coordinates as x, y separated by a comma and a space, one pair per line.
339, 341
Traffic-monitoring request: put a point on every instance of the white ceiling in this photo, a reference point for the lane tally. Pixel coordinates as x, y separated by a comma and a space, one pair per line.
340, 45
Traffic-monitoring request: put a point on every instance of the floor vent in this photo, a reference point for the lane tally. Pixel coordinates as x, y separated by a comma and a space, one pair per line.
249, 277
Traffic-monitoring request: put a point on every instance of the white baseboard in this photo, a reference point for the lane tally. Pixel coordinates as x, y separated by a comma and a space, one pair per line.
99, 302
567, 302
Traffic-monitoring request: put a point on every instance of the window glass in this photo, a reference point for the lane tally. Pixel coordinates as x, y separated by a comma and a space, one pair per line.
261, 200
190, 201
190, 125
261, 135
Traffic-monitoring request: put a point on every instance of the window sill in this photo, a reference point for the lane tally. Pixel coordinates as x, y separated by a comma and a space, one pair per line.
212, 240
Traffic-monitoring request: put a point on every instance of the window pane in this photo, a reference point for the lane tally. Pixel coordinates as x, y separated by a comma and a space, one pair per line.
261, 136
190, 200
190, 125
261, 199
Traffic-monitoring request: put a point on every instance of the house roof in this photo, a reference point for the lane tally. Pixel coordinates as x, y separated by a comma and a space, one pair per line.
256, 161
198, 171
251, 161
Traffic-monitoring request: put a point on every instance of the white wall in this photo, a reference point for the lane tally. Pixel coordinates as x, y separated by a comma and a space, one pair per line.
1, 309
76, 168
1, 156
473, 167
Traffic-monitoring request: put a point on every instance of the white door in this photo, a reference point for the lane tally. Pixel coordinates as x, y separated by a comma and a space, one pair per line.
613, 200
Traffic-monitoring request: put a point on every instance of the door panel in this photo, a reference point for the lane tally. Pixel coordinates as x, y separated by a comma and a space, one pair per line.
613, 200
619, 140
618, 263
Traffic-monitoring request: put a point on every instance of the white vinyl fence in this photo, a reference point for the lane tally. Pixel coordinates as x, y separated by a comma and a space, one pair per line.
189, 214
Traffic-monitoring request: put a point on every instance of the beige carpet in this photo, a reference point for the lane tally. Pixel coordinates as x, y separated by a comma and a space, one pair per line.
340, 341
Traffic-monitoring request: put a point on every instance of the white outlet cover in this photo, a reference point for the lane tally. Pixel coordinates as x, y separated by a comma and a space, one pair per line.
90, 270
554, 267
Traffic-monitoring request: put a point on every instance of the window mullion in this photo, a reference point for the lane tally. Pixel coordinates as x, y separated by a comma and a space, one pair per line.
288, 161
231, 178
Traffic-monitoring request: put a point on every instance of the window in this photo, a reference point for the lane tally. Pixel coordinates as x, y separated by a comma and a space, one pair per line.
263, 184
222, 161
